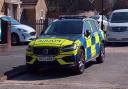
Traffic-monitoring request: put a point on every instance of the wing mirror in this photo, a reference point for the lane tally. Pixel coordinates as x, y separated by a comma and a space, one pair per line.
87, 33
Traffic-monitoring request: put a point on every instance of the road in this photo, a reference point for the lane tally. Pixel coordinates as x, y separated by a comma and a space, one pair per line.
112, 74
12, 60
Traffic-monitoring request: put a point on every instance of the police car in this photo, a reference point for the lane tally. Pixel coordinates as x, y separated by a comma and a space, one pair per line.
70, 41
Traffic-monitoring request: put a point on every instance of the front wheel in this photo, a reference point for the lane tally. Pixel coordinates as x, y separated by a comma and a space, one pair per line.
101, 57
80, 64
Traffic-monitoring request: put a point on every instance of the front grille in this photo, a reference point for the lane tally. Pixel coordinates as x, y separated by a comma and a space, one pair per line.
46, 50
115, 39
119, 29
32, 33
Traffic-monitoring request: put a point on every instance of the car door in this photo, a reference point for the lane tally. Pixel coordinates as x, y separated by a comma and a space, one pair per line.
95, 39
87, 34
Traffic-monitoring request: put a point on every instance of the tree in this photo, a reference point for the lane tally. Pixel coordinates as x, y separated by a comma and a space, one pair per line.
120, 4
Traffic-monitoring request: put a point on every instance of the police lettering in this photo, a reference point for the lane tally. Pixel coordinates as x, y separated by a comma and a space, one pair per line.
50, 41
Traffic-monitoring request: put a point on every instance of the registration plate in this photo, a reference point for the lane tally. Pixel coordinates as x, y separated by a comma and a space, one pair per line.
46, 59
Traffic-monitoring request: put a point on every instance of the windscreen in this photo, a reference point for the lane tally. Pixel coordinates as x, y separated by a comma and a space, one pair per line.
13, 21
120, 17
65, 27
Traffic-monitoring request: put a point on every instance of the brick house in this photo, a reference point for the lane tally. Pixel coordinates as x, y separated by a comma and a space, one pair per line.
10, 8
32, 10
2, 7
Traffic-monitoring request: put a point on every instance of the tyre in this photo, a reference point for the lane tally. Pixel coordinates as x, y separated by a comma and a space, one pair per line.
80, 64
101, 57
15, 39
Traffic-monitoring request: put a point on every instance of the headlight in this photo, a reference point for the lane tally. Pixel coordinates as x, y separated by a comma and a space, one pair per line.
22, 30
69, 47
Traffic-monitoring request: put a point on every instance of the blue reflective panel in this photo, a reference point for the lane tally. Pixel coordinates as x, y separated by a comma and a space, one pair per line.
83, 41
89, 53
97, 49
93, 40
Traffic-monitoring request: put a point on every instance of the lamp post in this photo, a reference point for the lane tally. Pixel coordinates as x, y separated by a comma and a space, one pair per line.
102, 8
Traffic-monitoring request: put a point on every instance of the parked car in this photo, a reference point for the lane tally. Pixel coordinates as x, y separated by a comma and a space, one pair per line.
20, 32
99, 19
67, 42
118, 26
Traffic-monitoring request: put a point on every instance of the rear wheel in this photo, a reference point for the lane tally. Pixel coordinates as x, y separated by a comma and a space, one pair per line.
15, 39
80, 67
101, 57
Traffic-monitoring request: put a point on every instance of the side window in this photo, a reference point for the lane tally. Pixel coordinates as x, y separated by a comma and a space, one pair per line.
104, 18
93, 25
97, 25
87, 26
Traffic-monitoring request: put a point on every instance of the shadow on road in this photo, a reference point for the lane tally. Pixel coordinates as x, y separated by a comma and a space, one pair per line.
49, 74
119, 44
21, 44
15, 72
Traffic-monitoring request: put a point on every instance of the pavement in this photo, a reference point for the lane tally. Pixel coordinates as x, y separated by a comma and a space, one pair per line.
12, 62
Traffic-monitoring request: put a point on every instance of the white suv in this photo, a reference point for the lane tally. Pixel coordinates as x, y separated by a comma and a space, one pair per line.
20, 32
118, 26
98, 18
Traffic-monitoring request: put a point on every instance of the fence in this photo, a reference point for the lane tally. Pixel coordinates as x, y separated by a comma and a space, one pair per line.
38, 25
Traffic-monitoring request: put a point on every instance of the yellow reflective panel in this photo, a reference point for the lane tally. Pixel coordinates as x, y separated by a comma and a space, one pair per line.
102, 33
52, 42
78, 43
74, 52
97, 39
48, 45
62, 62
67, 42
29, 53
86, 55
88, 42
34, 58
93, 50
31, 43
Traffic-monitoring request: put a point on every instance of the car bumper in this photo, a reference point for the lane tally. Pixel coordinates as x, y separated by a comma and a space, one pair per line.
117, 40
117, 37
28, 38
62, 62
50, 65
